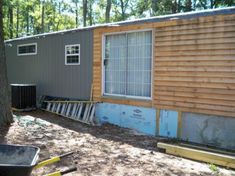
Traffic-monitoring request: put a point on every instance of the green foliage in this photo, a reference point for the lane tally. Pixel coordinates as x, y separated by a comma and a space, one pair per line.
214, 168
26, 17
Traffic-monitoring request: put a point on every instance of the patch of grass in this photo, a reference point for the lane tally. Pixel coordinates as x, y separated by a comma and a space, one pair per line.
214, 168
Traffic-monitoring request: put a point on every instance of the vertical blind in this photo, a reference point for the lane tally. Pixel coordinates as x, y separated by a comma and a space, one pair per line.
128, 63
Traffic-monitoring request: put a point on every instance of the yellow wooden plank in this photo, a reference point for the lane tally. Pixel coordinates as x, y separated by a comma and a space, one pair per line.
158, 121
179, 125
199, 155
207, 149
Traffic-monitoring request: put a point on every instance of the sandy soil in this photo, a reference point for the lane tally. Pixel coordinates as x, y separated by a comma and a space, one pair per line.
105, 150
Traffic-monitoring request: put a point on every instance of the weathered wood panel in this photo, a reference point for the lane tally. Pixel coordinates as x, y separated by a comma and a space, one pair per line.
194, 65
195, 69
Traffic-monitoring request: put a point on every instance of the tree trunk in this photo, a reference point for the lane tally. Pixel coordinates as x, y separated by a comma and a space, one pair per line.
5, 105
107, 12
123, 9
27, 19
10, 11
17, 22
174, 6
90, 13
154, 6
212, 3
76, 14
179, 6
188, 6
84, 12
57, 25
42, 18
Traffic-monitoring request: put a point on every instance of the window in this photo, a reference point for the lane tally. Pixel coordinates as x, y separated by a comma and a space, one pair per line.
128, 64
27, 49
72, 54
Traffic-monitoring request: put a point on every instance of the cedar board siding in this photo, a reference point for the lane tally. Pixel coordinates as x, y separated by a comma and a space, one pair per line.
193, 69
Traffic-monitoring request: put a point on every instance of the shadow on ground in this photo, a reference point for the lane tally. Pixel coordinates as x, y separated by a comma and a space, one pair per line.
106, 131
3, 133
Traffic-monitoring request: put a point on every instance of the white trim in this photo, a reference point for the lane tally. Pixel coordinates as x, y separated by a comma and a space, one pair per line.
79, 54
127, 32
103, 71
27, 54
102, 64
127, 96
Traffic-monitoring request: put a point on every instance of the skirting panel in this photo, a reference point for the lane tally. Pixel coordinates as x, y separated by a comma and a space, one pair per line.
133, 117
210, 130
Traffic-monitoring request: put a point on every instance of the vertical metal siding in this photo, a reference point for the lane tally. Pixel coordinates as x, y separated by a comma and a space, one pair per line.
47, 69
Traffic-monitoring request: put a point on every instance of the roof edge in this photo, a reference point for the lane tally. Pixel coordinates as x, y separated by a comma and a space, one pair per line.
177, 16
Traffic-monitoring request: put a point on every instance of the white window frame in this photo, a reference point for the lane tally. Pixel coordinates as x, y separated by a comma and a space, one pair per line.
79, 54
103, 68
27, 54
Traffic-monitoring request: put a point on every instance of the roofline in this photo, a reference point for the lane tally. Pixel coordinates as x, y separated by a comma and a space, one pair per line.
177, 16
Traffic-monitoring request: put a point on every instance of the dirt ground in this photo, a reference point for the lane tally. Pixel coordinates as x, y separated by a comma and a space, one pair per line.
103, 150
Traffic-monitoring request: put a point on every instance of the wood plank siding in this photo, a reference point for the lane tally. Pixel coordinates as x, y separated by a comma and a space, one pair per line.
193, 69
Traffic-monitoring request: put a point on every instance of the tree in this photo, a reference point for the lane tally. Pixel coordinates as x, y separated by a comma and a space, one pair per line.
107, 12
154, 6
5, 105
10, 13
84, 12
42, 17
188, 6
76, 11
17, 20
124, 5
90, 12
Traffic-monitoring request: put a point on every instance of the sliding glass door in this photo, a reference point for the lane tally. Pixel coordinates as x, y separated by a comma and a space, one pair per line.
128, 64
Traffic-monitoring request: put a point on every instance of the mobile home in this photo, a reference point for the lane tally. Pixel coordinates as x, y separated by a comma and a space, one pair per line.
172, 76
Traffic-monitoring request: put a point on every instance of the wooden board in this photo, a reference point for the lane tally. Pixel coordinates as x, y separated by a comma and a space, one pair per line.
199, 155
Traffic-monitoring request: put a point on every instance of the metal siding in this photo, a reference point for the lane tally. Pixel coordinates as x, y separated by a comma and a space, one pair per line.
47, 69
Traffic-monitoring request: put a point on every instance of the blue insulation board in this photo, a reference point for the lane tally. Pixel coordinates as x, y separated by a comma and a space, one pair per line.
133, 117
168, 123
